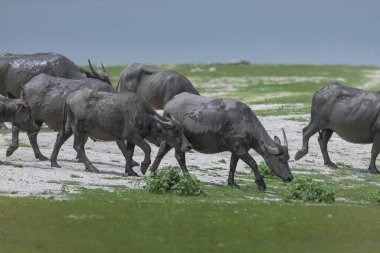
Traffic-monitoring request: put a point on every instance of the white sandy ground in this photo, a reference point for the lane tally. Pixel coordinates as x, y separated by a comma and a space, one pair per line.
26, 176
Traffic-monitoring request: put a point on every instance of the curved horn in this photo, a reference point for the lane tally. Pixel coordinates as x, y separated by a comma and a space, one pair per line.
104, 69
167, 124
91, 68
174, 120
285, 139
271, 150
22, 96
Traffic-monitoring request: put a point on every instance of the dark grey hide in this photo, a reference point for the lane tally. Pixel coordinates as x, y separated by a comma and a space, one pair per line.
217, 125
352, 113
18, 112
17, 69
46, 96
108, 117
155, 85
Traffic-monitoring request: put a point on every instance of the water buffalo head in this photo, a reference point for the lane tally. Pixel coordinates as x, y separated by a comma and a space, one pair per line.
93, 74
22, 115
277, 157
172, 133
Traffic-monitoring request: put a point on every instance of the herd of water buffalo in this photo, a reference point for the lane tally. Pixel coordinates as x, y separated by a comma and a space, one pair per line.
49, 88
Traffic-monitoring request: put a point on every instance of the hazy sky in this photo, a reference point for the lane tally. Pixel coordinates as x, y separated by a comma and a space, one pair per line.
181, 31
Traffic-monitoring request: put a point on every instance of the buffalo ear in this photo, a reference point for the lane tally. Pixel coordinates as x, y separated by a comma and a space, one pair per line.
277, 140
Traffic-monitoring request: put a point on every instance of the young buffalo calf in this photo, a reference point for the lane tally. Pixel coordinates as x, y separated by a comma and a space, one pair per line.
109, 117
18, 112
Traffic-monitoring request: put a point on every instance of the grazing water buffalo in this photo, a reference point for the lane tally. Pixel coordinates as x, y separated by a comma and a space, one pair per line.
352, 113
217, 125
108, 116
18, 112
155, 85
18, 69
46, 95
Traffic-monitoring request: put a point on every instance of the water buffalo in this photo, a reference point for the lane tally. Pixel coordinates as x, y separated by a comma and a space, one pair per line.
155, 85
46, 95
352, 113
18, 112
108, 116
18, 69
216, 125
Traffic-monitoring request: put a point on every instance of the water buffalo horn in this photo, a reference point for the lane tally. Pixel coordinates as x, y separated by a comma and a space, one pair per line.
285, 139
104, 69
272, 150
92, 69
166, 124
23, 97
176, 122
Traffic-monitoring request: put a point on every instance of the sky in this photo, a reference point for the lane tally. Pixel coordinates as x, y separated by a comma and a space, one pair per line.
195, 31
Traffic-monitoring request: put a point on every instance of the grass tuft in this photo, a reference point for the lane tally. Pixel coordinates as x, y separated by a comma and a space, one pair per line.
307, 190
264, 170
171, 180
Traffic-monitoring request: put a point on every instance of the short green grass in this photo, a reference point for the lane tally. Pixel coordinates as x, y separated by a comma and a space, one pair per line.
222, 221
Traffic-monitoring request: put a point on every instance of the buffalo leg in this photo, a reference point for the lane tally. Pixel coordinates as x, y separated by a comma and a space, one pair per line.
231, 176
180, 156
62, 137
128, 153
33, 141
374, 153
14, 146
162, 151
307, 132
78, 158
141, 143
323, 139
79, 141
133, 162
247, 158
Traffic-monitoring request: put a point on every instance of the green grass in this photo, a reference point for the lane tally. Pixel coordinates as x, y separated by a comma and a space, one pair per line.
222, 221
298, 119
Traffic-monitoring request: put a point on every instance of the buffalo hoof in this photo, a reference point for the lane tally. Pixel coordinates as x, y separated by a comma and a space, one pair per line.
152, 170
131, 173
261, 186
10, 151
92, 169
55, 164
233, 185
42, 157
144, 167
134, 163
331, 165
373, 171
299, 155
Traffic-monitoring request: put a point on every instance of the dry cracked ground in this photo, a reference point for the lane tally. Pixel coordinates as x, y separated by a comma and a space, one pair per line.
23, 175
